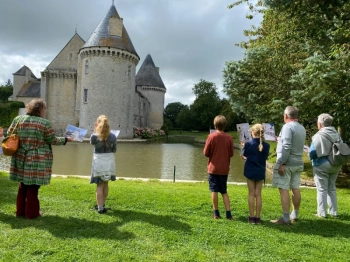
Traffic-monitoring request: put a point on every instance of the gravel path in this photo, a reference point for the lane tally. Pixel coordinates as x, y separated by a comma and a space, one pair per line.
5, 162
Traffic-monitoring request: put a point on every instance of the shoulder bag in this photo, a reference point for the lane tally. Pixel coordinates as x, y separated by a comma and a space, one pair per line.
11, 142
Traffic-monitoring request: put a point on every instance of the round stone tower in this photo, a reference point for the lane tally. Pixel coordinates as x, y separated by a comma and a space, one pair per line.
151, 86
106, 76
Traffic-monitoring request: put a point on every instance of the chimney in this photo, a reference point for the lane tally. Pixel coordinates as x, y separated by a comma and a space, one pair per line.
27, 76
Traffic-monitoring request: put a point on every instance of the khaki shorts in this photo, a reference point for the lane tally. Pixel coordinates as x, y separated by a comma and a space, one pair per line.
290, 178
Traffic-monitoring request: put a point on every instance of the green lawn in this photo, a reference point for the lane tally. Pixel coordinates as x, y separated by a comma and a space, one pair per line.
161, 221
199, 135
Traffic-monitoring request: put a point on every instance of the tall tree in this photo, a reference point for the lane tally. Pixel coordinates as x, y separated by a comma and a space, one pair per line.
298, 55
232, 117
185, 120
9, 84
172, 111
206, 105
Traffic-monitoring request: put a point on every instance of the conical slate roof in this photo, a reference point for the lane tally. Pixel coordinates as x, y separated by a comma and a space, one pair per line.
102, 37
22, 72
148, 74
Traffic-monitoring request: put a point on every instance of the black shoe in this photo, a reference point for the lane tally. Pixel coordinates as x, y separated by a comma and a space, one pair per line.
107, 208
102, 211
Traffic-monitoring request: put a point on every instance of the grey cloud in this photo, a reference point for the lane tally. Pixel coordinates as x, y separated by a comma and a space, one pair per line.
188, 39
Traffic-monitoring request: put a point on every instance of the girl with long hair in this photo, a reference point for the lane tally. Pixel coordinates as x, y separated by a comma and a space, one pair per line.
255, 152
103, 164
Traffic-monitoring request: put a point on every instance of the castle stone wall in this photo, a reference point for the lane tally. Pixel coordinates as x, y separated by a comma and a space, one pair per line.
67, 59
25, 100
19, 81
141, 110
155, 96
108, 87
60, 99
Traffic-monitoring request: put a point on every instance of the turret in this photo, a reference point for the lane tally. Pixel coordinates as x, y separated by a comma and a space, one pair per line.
107, 64
150, 85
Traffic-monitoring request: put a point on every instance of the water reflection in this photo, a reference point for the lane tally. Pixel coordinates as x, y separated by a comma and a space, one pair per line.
146, 160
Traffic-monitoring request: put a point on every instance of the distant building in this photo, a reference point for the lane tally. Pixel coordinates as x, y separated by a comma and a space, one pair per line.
87, 79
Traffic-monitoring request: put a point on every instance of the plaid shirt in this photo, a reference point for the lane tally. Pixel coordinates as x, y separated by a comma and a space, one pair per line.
32, 163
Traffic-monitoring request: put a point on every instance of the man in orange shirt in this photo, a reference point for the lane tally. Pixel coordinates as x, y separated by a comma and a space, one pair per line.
219, 149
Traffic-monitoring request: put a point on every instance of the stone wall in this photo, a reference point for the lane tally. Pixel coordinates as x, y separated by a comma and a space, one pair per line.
141, 110
108, 87
60, 98
67, 59
155, 96
19, 81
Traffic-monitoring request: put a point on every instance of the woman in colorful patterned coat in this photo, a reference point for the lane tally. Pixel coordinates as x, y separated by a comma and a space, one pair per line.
31, 164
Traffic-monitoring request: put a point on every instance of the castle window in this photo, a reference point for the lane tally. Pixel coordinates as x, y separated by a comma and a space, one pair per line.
85, 95
70, 56
86, 67
129, 70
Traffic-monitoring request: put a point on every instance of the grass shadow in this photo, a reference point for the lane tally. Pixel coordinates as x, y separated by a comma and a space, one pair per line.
327, 227
69, 227
73, 227
165, 221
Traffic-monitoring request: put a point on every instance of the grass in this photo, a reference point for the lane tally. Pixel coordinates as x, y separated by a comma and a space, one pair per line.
159, 221
198, 135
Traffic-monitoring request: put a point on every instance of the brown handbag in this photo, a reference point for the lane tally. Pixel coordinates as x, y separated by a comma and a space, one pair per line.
10, 143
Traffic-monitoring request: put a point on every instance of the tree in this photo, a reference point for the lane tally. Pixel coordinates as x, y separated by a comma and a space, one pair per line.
172, 111
5, 93
185, 119
299, 55
232, 117
167, 125
206, 105
204, 88
9, 84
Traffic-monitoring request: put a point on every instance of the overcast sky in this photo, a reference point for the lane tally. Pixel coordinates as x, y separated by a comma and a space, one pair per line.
188, 39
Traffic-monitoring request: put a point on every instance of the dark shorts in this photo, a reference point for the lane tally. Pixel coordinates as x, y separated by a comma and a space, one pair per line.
218, 183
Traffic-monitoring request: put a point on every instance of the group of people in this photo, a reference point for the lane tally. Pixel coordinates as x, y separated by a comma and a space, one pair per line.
31, 165
287, 169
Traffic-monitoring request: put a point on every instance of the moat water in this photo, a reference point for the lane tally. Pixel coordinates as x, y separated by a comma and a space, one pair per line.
156, 160
152, 160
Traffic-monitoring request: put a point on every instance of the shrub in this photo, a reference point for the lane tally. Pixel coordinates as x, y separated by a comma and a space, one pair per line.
8, 111
145, 132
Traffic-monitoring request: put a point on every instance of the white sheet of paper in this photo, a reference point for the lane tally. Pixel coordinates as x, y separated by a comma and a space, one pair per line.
76, 133
243, 132
115, 132
269, 131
